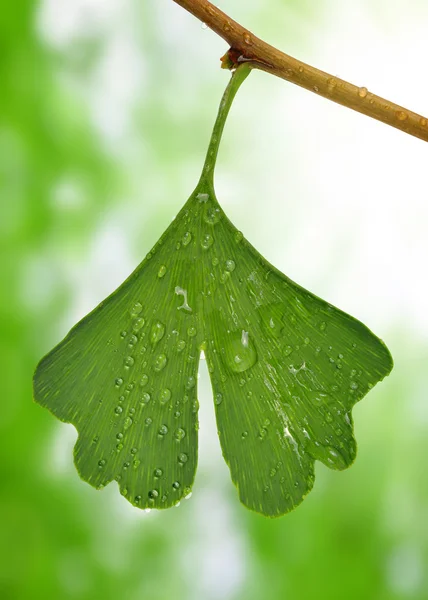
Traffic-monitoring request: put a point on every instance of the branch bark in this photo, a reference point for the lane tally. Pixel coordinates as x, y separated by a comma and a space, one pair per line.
246, 47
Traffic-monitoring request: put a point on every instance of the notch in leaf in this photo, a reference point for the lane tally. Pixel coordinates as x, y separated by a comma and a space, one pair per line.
286, 367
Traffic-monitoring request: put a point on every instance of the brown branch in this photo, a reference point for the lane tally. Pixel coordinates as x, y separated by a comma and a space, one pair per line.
247, 47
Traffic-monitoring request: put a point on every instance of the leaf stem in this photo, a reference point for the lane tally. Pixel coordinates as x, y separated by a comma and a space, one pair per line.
249, 48
238, 77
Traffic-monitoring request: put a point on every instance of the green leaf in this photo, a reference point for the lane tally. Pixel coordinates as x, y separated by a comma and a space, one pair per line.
286, 367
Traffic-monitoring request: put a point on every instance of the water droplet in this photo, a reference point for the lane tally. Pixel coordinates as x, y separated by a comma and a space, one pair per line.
179, 434
153, 494
158, 473
127, 423
129, 361
157, 332
353, 385
163, 430
165, 396
138, 324
191, 332
123, 334
176, 485
332, 457
183, 458
191, 382
212, 214
323, 326
144, 380
148, 421
101, 463
207, 241
118, 410
181, 344
218, 399
119, 436
136, 309
244, 435
204, 26
134, 450
362, 92
118, 382
238, 236
240, 352
401, 115
187, 238
160, 362
288, 350
423, 122
162, 271
316, 88
145, 398
230, 266
247, 38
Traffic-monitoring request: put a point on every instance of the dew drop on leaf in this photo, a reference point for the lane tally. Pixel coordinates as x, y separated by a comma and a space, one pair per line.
207, 241
240, 352
136, 309
157, 332
160, 362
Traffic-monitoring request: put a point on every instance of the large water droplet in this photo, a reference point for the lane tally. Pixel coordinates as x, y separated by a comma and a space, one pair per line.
157, 332
183, 458
190, 383
240, 352
218, 398
207, 241
144, 379
138, 324
180, 434
129, 361
230, 266
127, 423
187, 238
162, 271
211, 214
163, 430
332, 457
160, 362
158, 473
165, 396
136, 309
145, 398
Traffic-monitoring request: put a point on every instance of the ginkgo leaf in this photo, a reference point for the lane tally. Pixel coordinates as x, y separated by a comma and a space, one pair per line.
286, 367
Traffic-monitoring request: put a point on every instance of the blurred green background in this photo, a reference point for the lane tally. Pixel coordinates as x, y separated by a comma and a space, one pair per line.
105, 111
